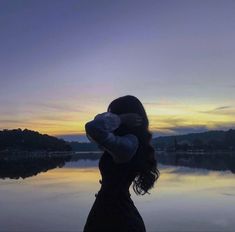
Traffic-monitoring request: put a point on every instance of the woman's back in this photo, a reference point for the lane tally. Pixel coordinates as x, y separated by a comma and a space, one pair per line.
113, 209
117, 177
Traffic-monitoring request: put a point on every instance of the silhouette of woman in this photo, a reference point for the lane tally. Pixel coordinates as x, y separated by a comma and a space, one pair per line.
122, 133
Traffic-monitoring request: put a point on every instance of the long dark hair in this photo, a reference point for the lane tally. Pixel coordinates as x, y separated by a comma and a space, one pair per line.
147, 172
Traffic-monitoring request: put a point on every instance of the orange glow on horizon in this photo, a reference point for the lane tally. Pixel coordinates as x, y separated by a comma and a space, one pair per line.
162, 118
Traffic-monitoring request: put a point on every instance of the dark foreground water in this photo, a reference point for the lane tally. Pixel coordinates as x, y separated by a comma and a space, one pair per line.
184, 199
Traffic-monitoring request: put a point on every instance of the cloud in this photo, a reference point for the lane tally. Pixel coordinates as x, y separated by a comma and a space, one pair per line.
188, 129
37, 124
167, 120
11, 121
163, 102
223, 126
179, 130
55, 118
58, 107
219, 110
222, 108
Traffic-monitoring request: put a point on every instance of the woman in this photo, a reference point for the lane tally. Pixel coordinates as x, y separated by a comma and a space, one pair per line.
122, 132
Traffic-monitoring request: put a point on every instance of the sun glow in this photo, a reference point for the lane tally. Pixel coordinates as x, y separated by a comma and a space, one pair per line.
162, 118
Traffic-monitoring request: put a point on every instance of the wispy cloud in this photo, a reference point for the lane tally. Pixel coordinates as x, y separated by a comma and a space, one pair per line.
216, 110
162, 102
222, 108
179, 130
58, 107
11, 121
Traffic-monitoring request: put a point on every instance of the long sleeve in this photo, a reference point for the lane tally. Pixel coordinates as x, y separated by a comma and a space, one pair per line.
100, 130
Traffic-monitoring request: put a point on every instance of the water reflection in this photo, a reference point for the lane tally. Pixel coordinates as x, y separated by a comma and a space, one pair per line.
216, 161
23, 168
184, 199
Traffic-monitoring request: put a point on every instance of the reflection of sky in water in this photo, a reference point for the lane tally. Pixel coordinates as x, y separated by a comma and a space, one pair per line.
184, 199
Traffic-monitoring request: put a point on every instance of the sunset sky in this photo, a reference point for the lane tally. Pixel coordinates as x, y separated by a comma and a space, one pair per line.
63, 62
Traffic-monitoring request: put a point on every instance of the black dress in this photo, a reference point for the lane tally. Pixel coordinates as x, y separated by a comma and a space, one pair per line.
113, 209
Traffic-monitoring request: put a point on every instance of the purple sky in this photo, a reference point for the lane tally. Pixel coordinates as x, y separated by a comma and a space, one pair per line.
62, 62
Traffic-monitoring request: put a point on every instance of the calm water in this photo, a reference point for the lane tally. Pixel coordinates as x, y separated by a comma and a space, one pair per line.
185, 199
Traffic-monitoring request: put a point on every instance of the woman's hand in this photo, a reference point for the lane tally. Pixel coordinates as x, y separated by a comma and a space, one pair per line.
131, 119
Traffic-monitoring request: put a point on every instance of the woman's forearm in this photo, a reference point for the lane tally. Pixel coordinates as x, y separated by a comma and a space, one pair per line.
98, 129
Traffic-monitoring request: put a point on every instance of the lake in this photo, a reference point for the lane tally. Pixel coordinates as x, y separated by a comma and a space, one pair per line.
59, 199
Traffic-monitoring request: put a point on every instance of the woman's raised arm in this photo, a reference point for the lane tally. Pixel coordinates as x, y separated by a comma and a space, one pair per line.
100, 130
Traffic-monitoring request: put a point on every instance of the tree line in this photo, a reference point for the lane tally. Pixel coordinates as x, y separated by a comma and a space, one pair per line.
206, 141
28, 140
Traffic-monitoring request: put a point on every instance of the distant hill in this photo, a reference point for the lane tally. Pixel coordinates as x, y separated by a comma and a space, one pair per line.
219, 135
210, 140
28, 140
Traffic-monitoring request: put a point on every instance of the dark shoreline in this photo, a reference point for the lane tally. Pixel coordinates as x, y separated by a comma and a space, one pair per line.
30, 155
24, 164
20, 155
